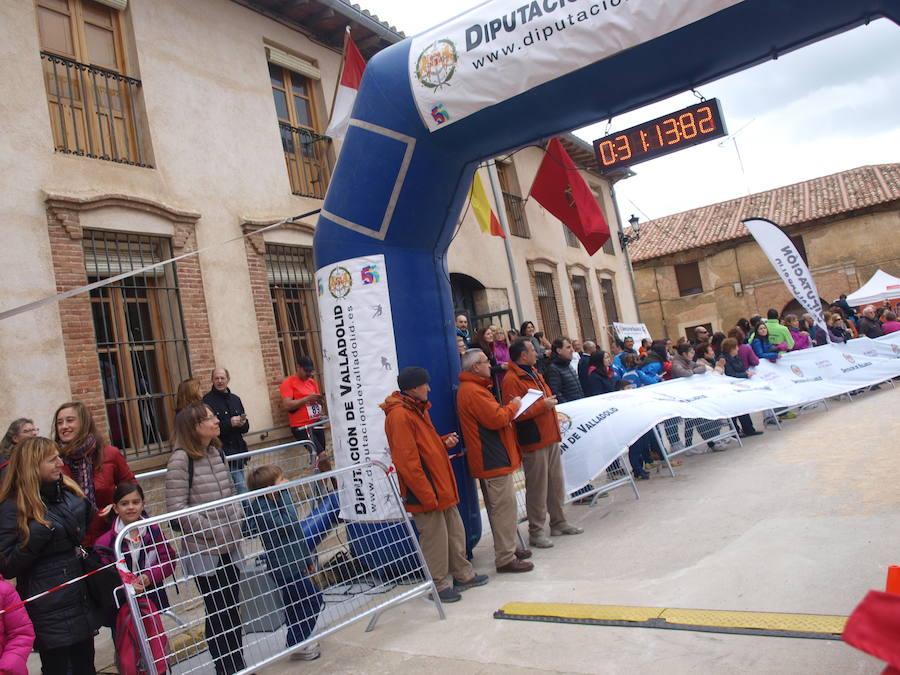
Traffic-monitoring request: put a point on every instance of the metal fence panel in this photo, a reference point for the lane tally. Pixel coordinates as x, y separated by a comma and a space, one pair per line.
263, 574
693, 436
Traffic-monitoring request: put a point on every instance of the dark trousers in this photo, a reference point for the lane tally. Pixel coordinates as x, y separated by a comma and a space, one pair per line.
302, 604
221, 596
77, 659
745, 422
317, 436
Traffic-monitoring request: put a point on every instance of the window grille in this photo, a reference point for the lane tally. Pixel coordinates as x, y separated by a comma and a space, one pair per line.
550, 322
292, 285
141, 344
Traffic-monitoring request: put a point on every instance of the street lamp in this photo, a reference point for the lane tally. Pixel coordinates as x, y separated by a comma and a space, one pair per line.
625, 239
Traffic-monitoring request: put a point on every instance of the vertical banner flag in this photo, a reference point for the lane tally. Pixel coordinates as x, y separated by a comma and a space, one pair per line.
348, 87
790, 266
360, 372
560, 189
484, 214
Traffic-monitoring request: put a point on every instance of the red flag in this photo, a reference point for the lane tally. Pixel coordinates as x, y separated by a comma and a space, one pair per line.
351, 76
560, 189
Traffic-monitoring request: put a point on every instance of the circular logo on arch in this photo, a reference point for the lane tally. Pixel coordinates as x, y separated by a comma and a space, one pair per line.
437, 64
339, 282
565, 422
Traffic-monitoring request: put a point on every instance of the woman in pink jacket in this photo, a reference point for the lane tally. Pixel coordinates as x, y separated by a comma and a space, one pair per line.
16, 633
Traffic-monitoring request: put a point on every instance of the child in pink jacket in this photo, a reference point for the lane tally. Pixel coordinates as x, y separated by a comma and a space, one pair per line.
16, 633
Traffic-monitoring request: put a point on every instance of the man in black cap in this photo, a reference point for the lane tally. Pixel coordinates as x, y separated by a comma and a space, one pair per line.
427, 484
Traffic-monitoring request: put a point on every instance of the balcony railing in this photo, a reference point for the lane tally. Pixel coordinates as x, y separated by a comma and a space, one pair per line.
515, 209
306, 154
93, 111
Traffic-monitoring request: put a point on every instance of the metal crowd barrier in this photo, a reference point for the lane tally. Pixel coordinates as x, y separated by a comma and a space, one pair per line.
693, 436
294, 464
288, 579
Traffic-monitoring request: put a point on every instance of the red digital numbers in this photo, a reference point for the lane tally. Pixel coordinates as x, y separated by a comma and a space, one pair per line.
684, 128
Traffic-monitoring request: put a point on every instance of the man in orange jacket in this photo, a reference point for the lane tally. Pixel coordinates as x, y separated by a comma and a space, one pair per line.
427, 484
537, 433
492, 454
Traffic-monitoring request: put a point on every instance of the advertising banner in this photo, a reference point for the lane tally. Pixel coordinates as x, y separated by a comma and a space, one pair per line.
790, 266
503, 48
595, 430
360, 371
637, 331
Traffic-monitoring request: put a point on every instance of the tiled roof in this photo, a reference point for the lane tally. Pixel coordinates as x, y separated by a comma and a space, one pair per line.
844, 192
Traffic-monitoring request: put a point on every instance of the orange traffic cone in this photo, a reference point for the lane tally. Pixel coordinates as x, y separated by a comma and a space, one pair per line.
893, 579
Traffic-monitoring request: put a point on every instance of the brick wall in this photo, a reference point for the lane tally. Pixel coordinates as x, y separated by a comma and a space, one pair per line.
75, 313
255, 247
66, 246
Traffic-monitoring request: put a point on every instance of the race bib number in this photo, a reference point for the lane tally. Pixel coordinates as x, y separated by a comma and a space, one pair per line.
314, 410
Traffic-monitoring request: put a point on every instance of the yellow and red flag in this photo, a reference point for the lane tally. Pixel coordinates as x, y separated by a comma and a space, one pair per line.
484, 214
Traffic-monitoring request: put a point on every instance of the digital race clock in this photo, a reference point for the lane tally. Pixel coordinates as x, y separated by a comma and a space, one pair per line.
683, 129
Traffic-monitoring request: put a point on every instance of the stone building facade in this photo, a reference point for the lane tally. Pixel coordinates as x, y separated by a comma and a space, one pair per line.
701, 267
139, 131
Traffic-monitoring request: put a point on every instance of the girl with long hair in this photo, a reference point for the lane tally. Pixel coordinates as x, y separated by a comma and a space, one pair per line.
93, 464
197, 474
43, 518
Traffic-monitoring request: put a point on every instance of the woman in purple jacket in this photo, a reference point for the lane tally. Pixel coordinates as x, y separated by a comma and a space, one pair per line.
745, 351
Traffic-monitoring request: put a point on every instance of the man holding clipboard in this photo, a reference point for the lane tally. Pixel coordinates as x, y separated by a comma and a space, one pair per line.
537, 433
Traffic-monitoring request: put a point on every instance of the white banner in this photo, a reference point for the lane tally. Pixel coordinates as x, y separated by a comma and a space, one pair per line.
360, 372
595, 430
500, 49
790, 266
636, 331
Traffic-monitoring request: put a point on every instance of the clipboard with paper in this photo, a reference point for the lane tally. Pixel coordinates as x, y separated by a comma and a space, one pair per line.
528, 399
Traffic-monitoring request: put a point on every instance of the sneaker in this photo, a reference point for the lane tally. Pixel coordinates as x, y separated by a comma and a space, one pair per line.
677, 446
719, 446
540, 542
789, 415
308, 653
755, 432
449, 594
477, 580
771, 421
565, 529
649, 466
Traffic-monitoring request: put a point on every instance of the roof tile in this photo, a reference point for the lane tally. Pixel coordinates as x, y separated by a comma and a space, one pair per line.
788, 205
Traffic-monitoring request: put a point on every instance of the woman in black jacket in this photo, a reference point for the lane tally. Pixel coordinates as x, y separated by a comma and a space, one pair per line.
600, 379
43, 518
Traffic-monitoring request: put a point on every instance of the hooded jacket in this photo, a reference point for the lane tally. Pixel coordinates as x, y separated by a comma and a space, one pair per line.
779, 333
211, 532
491, 448
538, 426
419, 455
66, 616
16, 633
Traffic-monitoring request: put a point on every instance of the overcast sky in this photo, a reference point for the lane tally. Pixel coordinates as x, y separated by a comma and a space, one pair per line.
832, 106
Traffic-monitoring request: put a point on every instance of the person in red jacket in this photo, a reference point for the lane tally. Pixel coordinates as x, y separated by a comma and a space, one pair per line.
427, 484
537, 432
492, 454
95, 466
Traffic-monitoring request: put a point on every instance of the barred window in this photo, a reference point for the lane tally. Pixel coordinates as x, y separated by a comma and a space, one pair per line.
607, 291
546, 296
571, 239
512, 200
292, 284
583, 307
141, 343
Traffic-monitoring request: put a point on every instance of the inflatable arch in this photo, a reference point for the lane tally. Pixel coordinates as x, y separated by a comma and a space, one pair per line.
430, 108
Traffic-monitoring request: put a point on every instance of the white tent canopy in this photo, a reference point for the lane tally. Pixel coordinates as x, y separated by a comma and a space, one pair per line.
882, 286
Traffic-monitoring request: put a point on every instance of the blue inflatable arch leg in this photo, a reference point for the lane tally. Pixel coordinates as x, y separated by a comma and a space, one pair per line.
398, 187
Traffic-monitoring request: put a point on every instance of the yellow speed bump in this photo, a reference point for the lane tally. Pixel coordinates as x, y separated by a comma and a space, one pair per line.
777, 624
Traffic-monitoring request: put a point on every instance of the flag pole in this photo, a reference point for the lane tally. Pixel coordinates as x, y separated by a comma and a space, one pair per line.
501, 216
337, 83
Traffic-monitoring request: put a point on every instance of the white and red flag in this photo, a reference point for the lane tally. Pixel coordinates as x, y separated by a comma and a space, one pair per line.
348, 86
